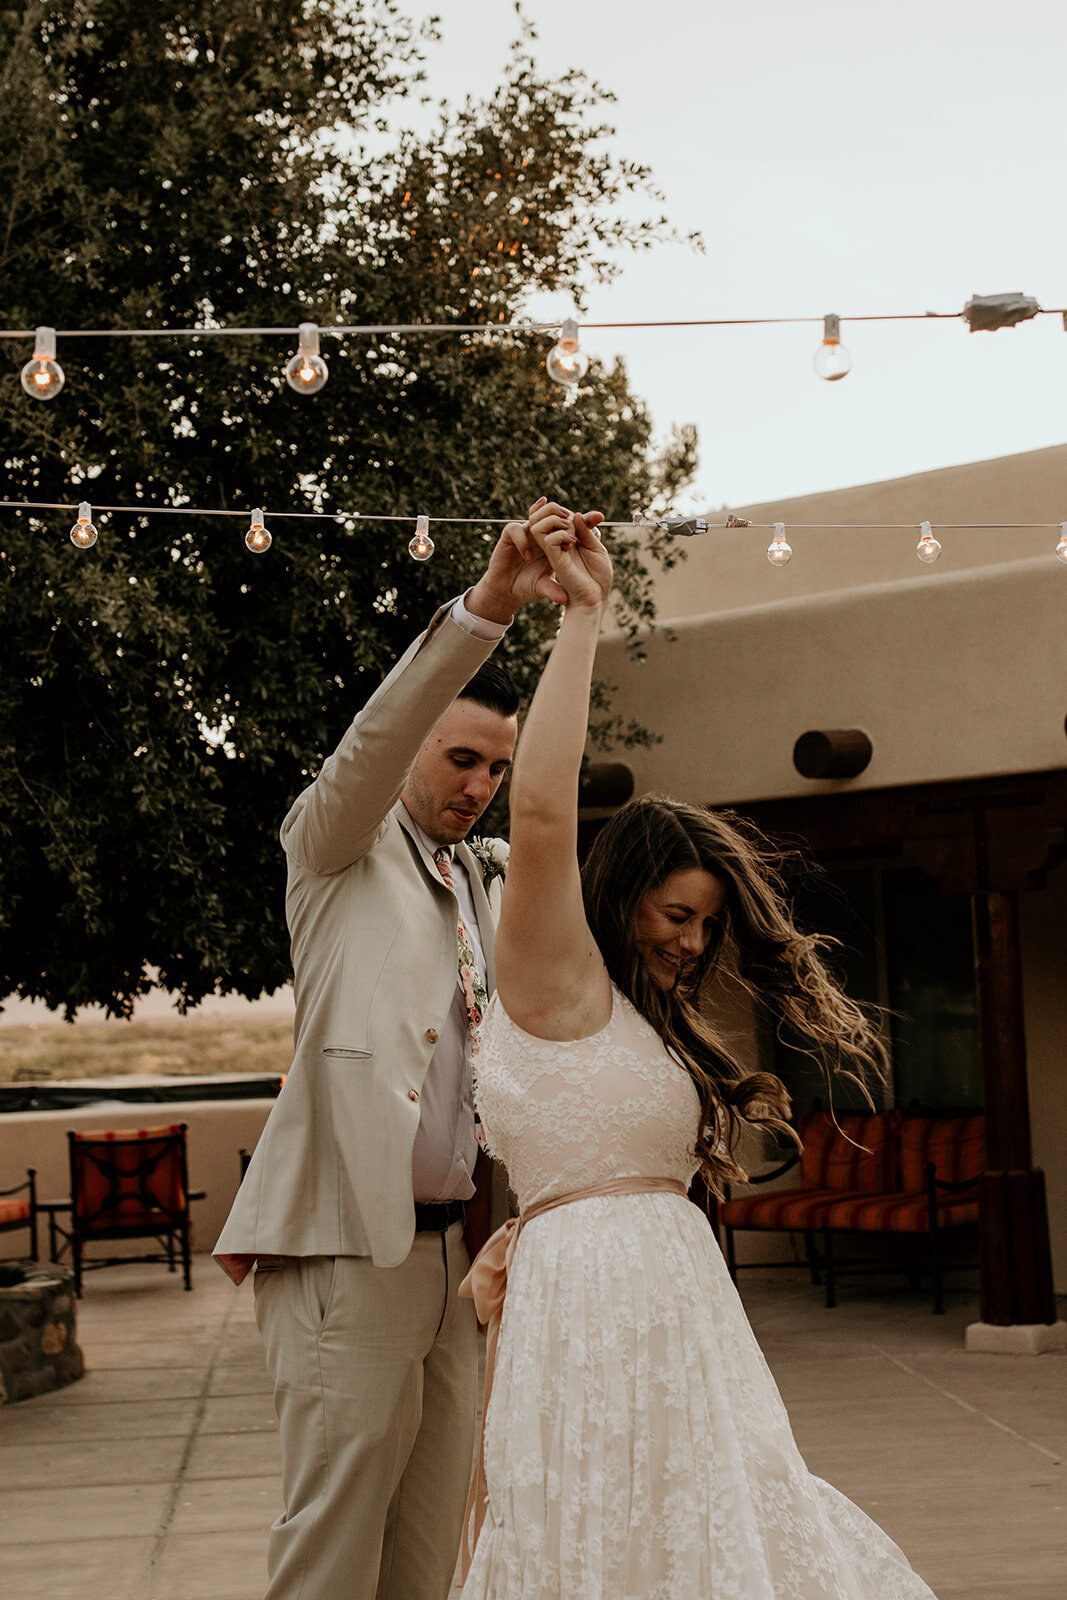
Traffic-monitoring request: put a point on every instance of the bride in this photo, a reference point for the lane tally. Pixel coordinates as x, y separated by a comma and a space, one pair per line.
635, 1445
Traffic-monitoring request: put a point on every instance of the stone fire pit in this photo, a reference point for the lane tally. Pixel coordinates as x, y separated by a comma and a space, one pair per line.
38, 1344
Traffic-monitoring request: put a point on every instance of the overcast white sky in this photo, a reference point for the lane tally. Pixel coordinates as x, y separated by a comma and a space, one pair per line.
836, 156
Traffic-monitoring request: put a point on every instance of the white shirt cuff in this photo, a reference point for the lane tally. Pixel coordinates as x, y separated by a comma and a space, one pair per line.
480, 627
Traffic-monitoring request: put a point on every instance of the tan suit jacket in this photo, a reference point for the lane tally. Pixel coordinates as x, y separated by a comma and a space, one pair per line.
374, 958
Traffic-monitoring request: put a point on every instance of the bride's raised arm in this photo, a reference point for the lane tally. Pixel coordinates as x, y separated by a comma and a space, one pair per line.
549, 973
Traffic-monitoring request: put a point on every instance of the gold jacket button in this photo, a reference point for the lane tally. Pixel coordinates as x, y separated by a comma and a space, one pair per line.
432, 1035
413, 1094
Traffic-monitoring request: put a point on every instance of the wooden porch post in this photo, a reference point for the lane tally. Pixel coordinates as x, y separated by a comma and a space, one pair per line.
1016, 1283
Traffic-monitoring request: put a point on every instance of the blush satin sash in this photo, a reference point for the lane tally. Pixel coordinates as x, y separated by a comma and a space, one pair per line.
486, 1284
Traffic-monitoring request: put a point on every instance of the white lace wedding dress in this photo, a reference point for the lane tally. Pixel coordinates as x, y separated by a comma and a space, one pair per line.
636, 1445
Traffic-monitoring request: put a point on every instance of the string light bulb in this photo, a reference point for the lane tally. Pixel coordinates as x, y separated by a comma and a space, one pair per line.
307, 371
1061, 548
778, 551
832, 360
42, 376
258, 537
565, 362
421, 546
928, 549
83, 535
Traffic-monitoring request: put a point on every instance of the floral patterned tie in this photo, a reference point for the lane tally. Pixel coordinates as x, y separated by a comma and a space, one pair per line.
475, 995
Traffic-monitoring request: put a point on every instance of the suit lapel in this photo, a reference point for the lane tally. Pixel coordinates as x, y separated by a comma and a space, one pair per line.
400, 811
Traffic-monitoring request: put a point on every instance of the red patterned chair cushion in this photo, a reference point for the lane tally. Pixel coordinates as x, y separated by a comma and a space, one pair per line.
896, 1213
122, 1135
849, 1153
127, 1178
956, 1146
12, 1212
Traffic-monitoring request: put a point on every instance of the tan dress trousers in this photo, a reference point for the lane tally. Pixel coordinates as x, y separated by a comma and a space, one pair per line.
375, 1377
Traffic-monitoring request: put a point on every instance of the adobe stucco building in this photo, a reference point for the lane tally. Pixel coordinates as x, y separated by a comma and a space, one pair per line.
950, 846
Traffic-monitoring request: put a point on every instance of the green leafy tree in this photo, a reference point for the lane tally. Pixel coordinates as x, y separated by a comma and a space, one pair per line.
197, 163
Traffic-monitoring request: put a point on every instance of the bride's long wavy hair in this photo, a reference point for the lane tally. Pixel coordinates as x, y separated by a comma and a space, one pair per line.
756, 942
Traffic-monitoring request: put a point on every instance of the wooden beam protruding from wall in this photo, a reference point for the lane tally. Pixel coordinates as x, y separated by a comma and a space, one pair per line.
832, 753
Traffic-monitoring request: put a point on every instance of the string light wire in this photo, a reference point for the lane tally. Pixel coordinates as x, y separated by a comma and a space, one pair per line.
344, 330
386, 516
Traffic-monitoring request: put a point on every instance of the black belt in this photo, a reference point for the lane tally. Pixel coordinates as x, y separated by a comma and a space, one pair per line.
437, 1215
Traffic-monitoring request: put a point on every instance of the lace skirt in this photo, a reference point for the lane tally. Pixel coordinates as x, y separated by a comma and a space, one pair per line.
637, 1447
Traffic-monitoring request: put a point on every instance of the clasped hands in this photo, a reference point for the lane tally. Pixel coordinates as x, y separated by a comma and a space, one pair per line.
555, 555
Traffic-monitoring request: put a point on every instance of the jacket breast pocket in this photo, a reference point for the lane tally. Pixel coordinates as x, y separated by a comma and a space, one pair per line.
337, 1052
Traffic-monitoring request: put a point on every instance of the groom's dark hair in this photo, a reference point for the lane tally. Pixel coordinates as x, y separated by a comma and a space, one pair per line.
493, 688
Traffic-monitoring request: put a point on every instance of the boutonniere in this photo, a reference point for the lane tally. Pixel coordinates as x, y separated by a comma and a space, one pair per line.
492, 857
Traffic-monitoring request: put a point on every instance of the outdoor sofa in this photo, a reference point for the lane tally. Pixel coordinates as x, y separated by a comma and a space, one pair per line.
891, 1172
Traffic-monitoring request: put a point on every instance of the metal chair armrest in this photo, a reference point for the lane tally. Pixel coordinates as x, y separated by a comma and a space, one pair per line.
18, 1188
777, 1172
953, 1185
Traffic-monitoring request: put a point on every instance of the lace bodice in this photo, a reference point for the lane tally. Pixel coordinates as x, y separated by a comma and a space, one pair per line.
565, 1114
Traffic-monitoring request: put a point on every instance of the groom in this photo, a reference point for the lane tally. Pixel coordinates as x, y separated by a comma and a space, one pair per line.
352, 1208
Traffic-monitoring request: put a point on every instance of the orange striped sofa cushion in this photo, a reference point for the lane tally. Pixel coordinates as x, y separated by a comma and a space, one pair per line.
956, 1146
798, 1209
896, 1213
869, 1174
853, 1156
849, 1152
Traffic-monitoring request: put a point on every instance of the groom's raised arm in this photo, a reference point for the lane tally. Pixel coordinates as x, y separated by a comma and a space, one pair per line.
339, 816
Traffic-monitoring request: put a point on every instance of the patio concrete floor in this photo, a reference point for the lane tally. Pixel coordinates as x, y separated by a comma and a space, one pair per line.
155, 1477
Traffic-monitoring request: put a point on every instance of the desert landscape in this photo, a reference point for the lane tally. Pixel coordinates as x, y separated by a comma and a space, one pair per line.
195, 1046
